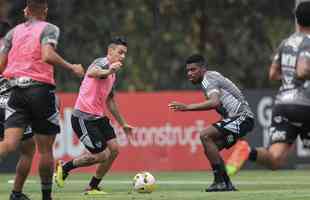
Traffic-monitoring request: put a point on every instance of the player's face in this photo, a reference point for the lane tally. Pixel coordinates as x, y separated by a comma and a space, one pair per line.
117, 53
194, 73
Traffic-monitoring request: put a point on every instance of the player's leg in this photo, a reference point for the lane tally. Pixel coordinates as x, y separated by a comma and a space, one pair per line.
209, 138
283, 134
45, 125
90, 134
46, 163
11, 140
108, 135
88, 159
287, 122
104, 167
229, 131
238, 157
27, 150
273, 157
15, 123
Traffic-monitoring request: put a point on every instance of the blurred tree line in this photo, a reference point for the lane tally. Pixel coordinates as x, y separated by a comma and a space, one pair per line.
238, 37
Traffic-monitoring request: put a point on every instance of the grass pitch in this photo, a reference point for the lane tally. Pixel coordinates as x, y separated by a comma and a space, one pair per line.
254, 185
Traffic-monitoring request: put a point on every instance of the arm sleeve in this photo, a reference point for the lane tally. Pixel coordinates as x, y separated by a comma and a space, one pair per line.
305, 53
101, 63
210, 85
50, 35
277, 55
6, 44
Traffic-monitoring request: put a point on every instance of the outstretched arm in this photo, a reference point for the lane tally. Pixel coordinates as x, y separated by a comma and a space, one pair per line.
212, 103
49, 40
50, 56
98, 72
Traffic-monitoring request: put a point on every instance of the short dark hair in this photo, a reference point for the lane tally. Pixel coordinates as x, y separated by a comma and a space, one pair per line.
4, 28
302, 13
197, 59
119, 40
37, 4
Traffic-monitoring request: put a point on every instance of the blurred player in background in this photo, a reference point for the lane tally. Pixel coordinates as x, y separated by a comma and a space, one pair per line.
27, 146
27, 57
89, 118
291, 112
238, 119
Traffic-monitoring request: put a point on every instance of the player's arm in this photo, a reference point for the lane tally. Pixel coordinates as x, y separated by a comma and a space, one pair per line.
3, 61
275, 68
212, 103
4, 50
112, 106
303, 65
49, 41
100, 72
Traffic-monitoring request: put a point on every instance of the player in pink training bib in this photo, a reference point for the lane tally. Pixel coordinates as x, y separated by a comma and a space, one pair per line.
89, 119
27, 59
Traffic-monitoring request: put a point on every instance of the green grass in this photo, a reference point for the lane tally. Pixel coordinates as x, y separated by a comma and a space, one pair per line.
252, 185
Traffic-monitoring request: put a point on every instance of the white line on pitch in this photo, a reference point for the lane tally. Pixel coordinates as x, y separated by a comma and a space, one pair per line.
181, 182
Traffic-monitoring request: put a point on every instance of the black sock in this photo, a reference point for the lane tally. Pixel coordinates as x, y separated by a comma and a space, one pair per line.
94, 182
46, 189
17, 194
253, 155
224, 172
220, 173
67, 168
217, 173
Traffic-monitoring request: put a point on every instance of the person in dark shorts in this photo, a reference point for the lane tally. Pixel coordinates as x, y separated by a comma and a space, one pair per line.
27, 57
237, 117
89, 118
27, 146
291, 110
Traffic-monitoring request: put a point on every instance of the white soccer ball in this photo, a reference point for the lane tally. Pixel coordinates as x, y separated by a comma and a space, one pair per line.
144, 182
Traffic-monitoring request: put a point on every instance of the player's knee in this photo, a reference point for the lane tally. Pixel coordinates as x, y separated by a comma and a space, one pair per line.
10, 146
275, 166
103, 156
114, 153
277, 163
92, 159
28, 149
205, 137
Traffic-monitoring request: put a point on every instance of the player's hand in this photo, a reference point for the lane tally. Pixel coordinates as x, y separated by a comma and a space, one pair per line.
177, 106
114, 67
127, 129
78, 70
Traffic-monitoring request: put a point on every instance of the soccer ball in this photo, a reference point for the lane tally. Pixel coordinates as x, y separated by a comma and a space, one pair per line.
144, 182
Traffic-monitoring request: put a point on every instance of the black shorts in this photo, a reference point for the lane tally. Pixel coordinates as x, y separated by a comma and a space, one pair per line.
289, 121
27, 134
94, 134
234, 128
36, 106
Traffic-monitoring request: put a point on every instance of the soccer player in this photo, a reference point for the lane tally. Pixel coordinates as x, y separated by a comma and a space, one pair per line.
27, 58
27, 147
89, 118
291, 111
238, 119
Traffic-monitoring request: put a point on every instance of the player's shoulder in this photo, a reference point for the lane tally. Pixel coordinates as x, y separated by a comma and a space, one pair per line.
51, 26
213, 75
295, 40
306, 41
100, 62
